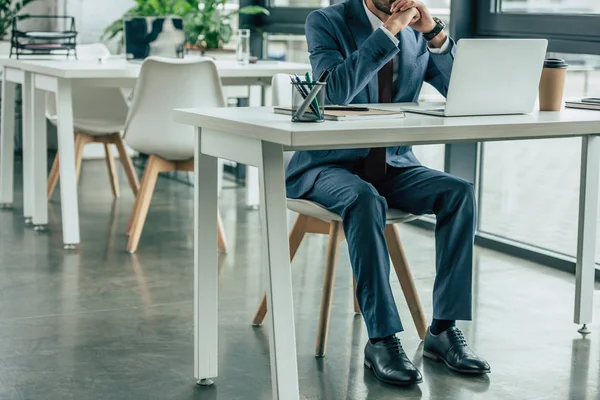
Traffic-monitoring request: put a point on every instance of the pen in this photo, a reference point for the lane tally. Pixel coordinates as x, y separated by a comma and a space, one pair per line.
315, 102
346, 108
323, 77
301, 85
308, 80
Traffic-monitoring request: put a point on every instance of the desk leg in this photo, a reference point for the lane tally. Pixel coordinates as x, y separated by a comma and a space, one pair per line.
66, 152
263, 95
586, 235
7, 144
252, 188
28, 140
40, 159
282, 336
206, 319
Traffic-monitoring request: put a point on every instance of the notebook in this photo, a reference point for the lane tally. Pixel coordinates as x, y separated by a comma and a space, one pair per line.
585, 105
340, 113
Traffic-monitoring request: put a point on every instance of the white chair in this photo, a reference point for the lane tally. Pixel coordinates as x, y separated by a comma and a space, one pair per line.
312, 218
99, 116
163, 85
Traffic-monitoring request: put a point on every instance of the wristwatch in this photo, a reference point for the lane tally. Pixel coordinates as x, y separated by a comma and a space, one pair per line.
440, 25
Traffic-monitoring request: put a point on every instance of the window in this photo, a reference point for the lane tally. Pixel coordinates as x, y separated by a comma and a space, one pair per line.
285, 47
550, 7
571, 26
530, 189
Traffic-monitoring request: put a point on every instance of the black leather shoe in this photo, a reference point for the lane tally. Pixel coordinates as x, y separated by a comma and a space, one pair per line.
390, 364
450, 347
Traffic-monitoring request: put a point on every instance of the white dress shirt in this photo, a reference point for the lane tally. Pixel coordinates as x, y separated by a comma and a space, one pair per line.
376, 23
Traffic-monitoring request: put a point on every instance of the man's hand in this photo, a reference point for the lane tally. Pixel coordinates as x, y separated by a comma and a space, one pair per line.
400, 20
425, 24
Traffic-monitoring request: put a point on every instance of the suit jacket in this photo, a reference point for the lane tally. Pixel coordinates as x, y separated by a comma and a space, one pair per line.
341, 40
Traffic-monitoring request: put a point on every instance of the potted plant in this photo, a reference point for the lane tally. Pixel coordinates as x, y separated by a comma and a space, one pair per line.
210, 26
207, 23
150, 8
8, 10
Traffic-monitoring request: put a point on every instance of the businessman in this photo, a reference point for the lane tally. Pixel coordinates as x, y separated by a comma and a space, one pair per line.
381, 51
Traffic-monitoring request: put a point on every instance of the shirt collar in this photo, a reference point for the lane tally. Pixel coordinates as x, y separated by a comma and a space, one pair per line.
373, 19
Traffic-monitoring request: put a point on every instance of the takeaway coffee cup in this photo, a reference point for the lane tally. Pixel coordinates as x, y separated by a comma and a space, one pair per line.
552, 84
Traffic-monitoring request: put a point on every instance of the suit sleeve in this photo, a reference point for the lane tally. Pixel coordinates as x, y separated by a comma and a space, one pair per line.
440, 68
348, 76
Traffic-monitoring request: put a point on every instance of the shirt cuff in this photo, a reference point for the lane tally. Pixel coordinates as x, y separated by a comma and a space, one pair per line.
442, 49
393, 38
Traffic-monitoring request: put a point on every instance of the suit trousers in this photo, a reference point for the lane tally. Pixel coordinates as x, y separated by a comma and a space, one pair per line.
416, 190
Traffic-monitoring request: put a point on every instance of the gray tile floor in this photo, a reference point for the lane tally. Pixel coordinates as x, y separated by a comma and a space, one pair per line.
102, 324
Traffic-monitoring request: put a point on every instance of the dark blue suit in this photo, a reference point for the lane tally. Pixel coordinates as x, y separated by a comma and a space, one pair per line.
341, 40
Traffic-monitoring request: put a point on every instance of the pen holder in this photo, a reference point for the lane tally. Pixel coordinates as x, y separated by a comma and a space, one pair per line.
315, 111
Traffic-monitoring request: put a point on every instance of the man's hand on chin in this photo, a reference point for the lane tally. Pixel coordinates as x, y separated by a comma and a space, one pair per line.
425, 24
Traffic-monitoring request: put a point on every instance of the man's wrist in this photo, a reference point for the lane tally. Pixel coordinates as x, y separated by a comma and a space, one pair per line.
394, 29
438, 41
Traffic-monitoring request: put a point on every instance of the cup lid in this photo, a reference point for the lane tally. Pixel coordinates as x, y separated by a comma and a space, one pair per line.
555, 63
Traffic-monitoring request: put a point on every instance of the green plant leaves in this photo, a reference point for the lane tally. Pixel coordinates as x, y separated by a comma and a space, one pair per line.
205, 22
9, 10
253, 10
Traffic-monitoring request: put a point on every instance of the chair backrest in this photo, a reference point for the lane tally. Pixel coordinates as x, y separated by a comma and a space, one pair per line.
281, 94
163, 85
281, 90
93, 103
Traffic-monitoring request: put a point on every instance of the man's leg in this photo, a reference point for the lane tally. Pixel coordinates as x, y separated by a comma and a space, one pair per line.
420, 190
363, 213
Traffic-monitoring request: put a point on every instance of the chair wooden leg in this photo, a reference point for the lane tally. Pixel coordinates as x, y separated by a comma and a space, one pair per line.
127, 164
138, 218
406, 280
221, 239
53, 177
112, 171
328, 284
136, 203
296, 235
356, 306
81, 140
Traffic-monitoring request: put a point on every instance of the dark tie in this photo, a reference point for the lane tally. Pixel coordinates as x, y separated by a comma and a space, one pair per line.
375, 163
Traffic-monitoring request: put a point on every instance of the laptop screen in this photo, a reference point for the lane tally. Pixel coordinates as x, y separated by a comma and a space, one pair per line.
154, 36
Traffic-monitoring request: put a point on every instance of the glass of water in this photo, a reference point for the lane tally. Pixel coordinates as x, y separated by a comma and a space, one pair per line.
243, 46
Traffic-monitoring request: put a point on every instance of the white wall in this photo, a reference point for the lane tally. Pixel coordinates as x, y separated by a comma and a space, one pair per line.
93, 16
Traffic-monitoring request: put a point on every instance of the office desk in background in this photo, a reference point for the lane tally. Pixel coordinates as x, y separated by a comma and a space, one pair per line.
56, 76
257, 136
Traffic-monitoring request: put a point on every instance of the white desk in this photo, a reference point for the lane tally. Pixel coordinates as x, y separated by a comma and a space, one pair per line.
259, 137
56, 76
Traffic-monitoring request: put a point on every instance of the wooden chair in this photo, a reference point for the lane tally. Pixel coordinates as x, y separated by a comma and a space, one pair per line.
81, 139
313, 218
165, 84
99, 115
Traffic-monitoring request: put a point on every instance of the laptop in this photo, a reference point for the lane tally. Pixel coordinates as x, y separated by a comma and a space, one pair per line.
154, 36
492, 77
